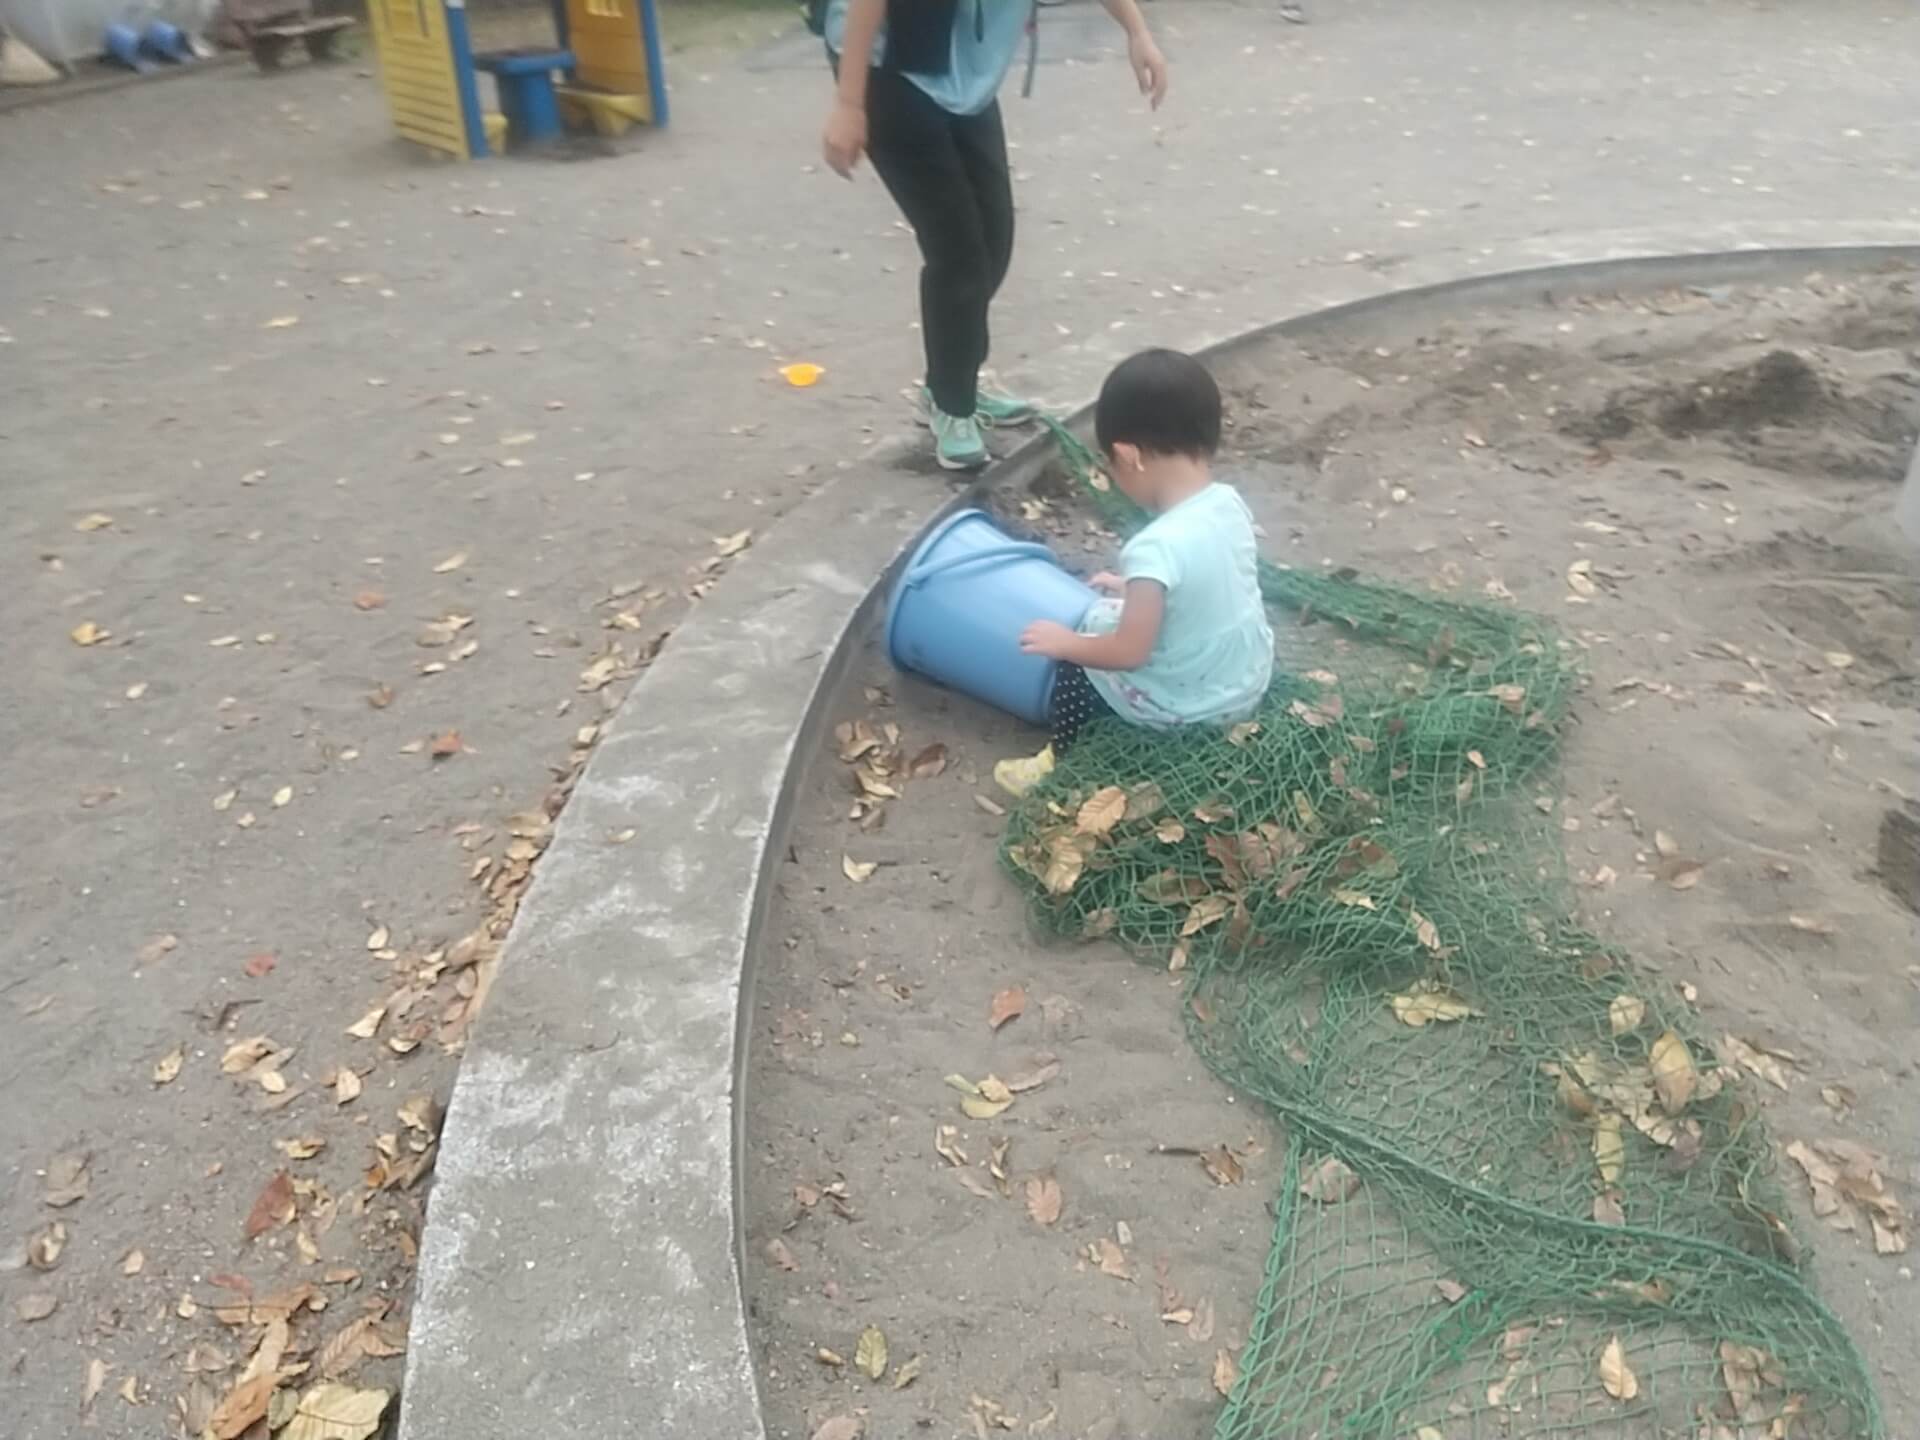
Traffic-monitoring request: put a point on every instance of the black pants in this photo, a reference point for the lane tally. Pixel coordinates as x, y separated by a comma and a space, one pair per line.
1074, 705
948, 174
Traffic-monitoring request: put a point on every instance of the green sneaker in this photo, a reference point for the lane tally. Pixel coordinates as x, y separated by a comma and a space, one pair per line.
994, 406
991, 406
957, 443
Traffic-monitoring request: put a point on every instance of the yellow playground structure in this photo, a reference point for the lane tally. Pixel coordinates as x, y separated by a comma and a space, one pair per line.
604, 74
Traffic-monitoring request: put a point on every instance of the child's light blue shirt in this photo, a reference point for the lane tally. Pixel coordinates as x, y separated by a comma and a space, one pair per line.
1214, 655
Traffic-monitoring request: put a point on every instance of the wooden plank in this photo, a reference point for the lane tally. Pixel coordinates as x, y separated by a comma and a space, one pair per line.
430, 62
305, 27
425, 84
430, 119
436, 94
433, 139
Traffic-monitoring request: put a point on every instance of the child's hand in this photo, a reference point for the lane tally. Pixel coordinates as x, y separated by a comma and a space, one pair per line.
1044, 637
1108, 583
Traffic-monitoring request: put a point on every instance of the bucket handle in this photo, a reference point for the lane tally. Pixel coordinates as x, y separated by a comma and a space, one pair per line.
920, 574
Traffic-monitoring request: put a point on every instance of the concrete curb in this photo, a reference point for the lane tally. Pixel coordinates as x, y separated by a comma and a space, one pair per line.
580, 1271
84, 87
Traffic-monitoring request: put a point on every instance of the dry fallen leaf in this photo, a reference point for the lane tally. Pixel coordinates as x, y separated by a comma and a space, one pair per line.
1065, 863
259, 966
1225, 1371
1043, 1199
88, 633
988, 1099
1626, 1012
1427, 1003
451, 563
1616, 1376
273, 1206
96, 1381
929, 762
35, 1305
1842, 1170
1760, 1060
1033, 1079
870, 1353
1110, 1258
1101, 811
134, 1262
1200, 1327
1673, 1074
1609, 1150
858, 871
1223, 1165
167, 1068
1007, 1005
780, 1255
366, 1026
905, 1375
1330, 1182
1682, 874
67, 1179
727, 546
445, 744
946, 1144
95, 521
971, 1182
44, 1248
331, 1411
243, 1406
245, 1054
161, 945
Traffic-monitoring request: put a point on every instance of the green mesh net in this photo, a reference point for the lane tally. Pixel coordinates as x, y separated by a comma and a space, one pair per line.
1521, 1197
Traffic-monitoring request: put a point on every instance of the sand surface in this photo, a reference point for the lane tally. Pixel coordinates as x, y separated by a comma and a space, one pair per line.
1724, 457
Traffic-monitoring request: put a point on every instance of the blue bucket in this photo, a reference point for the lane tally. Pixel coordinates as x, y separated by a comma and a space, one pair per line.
167, 42
121, 44
959, 607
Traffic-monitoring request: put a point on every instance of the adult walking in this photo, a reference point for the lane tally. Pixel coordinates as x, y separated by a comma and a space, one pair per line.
918, 83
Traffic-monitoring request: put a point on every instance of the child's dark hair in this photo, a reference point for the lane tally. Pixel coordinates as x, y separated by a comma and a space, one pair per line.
1164, 402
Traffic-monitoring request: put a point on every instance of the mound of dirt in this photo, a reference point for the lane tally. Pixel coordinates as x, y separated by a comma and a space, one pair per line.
1778, 411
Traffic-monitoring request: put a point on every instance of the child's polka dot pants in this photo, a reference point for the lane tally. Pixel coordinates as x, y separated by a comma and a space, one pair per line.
1075, 703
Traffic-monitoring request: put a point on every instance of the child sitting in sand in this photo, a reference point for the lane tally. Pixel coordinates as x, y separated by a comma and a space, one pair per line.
1184, 640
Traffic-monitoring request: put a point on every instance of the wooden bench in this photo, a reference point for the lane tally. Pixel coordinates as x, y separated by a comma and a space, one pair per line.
269, 42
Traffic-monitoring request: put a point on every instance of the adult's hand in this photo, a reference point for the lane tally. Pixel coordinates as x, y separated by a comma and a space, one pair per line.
1149, 66
844, 140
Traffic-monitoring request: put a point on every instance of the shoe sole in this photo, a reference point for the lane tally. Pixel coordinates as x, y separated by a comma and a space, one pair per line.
965, 467
923, 417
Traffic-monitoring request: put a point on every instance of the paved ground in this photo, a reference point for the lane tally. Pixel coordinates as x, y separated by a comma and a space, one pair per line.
301, 372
